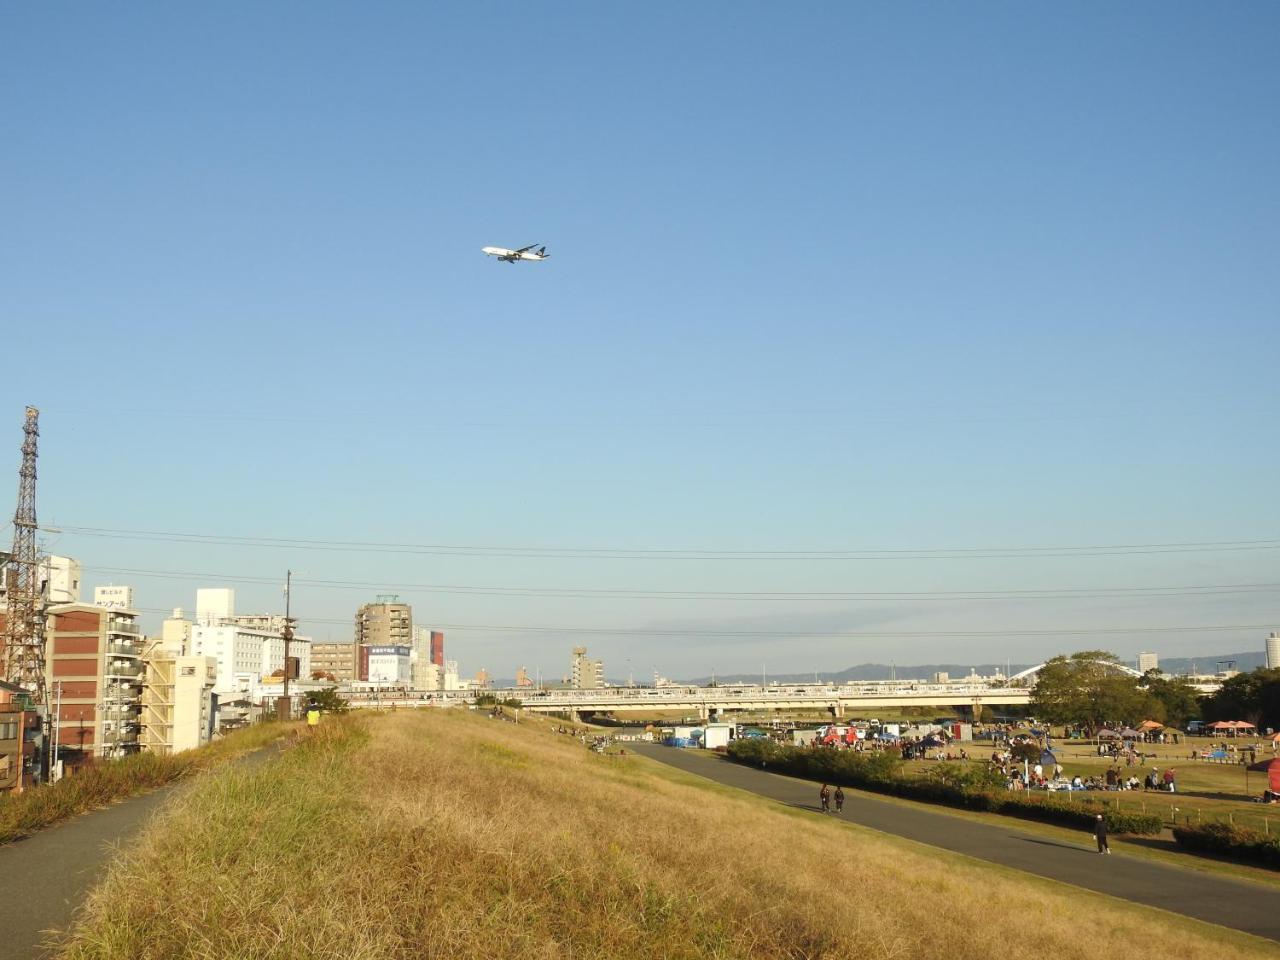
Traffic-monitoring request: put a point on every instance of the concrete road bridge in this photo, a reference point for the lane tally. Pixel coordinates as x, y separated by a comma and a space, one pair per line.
862, 699
708, 703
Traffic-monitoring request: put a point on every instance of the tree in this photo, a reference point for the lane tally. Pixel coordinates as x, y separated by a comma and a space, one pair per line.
1252, 696
1088, 688
1178, 701
329, 701
1027, 750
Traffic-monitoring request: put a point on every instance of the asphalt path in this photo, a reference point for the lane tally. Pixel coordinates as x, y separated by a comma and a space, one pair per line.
1250, 907
48, 874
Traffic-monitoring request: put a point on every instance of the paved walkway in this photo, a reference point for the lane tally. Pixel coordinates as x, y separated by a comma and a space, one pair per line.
1251, 907
47, 875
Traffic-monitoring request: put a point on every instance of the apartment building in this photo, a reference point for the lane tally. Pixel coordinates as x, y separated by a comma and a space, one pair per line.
93, 667
585, 673
385, 623
19, 735
336, 659
178, 702
246, 657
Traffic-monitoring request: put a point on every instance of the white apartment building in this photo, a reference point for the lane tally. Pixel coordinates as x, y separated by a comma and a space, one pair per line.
178, 710
1148, 661
245, 656
62, 577
215, 605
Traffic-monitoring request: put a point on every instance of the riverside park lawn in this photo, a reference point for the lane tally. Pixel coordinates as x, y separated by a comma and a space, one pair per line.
1206, 790
445, 834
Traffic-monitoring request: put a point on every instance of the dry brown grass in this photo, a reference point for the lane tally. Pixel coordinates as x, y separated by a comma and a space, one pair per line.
434, 835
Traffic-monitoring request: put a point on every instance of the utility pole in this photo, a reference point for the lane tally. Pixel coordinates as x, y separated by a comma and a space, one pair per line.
54, 770
288, 637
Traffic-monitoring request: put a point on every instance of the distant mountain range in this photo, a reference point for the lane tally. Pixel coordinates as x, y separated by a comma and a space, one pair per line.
925, 671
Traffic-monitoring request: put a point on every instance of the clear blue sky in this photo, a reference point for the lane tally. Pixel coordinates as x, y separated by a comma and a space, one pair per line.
833, 277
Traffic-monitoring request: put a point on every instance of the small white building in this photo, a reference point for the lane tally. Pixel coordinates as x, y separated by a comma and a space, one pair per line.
717, 735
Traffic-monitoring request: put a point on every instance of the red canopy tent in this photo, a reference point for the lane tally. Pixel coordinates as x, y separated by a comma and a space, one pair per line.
1272, 769
1231, 726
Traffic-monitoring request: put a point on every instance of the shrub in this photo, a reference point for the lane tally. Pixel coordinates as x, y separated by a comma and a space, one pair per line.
967, 776
329, 701
970, 787
1237, 842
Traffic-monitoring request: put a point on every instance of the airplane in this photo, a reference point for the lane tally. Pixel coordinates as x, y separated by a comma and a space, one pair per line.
511, 256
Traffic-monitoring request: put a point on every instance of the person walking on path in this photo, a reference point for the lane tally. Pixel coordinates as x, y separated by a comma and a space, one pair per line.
825, 796
1100, 834
839, 799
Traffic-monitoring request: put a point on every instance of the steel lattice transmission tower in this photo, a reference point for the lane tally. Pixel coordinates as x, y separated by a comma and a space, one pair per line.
24, 623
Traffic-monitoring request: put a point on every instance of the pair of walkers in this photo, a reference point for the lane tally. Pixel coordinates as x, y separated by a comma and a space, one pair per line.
825, 796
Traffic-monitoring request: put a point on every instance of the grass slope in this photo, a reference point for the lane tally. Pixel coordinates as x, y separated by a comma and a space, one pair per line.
443, 834
103, 783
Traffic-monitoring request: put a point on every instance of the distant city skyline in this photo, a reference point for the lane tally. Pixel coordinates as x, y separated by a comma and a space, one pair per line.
907, 278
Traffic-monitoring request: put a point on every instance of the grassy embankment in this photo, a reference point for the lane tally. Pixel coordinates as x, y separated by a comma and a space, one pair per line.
103, 783
440, 835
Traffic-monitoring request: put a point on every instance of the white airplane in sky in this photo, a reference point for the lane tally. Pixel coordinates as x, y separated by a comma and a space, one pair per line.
511, 256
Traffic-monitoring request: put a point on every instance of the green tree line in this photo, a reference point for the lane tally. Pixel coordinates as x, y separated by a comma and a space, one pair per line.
1088, 689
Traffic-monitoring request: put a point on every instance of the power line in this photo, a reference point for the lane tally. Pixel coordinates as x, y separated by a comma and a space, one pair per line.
865, 634
624, 594
624, 553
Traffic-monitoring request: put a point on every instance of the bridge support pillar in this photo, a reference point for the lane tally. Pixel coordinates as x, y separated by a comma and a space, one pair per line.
704, 712
574, 716
837, 710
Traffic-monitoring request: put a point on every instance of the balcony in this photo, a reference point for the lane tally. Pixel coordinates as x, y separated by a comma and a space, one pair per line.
129, 627
123, 648
116, 692
124, 670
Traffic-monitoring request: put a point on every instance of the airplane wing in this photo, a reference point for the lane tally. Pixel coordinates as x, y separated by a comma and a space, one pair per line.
526, 249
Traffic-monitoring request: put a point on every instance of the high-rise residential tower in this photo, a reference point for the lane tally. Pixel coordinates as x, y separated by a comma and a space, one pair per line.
385, 622
585, 673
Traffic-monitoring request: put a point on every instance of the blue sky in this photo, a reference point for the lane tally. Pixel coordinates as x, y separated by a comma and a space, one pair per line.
895, 276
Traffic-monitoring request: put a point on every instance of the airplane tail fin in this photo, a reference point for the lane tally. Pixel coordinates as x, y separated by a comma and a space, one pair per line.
542, 251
